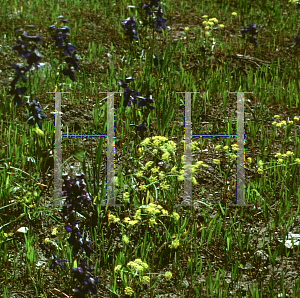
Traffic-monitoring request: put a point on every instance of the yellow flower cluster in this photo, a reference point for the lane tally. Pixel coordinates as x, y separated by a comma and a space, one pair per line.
128, 291
208, 24
129, 221
138, 264
125, 239
112, 218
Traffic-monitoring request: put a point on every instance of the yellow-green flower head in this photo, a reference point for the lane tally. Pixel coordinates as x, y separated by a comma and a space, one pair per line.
206, 28
168, 275
182, 159
171, 146
204, 22
152, 222
225, 147
279, 124
180, 178
146, 279
153, 178
297, 160
199, 163
139, 264
154, 170
186, 29
280, 160
221, 26
260, 163
291, 122
218, 147
46, 240
149, 164
166, 156
164, 186
259, 170
173, 170
128, 291
278, 154
145, 142
118, 268
151, 209
137, 215
139, 174
140, 151
111, 217
129, 221
164, 212
249, 160
175, 244
296, 118
216, 161
176, 216
194, 181
283, 122
156, 142
125, 239
210, 23
276, 116
215, 21
288, 153
126, 195
195, 146
233, 156
155, 151
234, 13
159, 138
54, 231
161, 175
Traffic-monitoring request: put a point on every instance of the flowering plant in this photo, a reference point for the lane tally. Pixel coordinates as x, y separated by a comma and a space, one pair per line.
156, 171
77, 200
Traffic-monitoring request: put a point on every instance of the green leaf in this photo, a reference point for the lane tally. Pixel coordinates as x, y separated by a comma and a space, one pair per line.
78, 153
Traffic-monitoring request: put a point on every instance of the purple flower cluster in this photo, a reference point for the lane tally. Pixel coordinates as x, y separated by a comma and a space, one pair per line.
252, 31
26, 49
61, 34
129, 26
77, 200
35, 113
33, 58
132, 96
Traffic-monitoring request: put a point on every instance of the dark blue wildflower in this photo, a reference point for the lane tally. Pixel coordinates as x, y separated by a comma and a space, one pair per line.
61, 35
148, 7
161, 61
82, 273
252, 31
297, 41
33, 58
141, 127
56, 262
35, 113
160, 20
86, 245
129, 26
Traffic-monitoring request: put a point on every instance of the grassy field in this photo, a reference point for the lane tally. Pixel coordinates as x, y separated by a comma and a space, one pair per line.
151, 245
